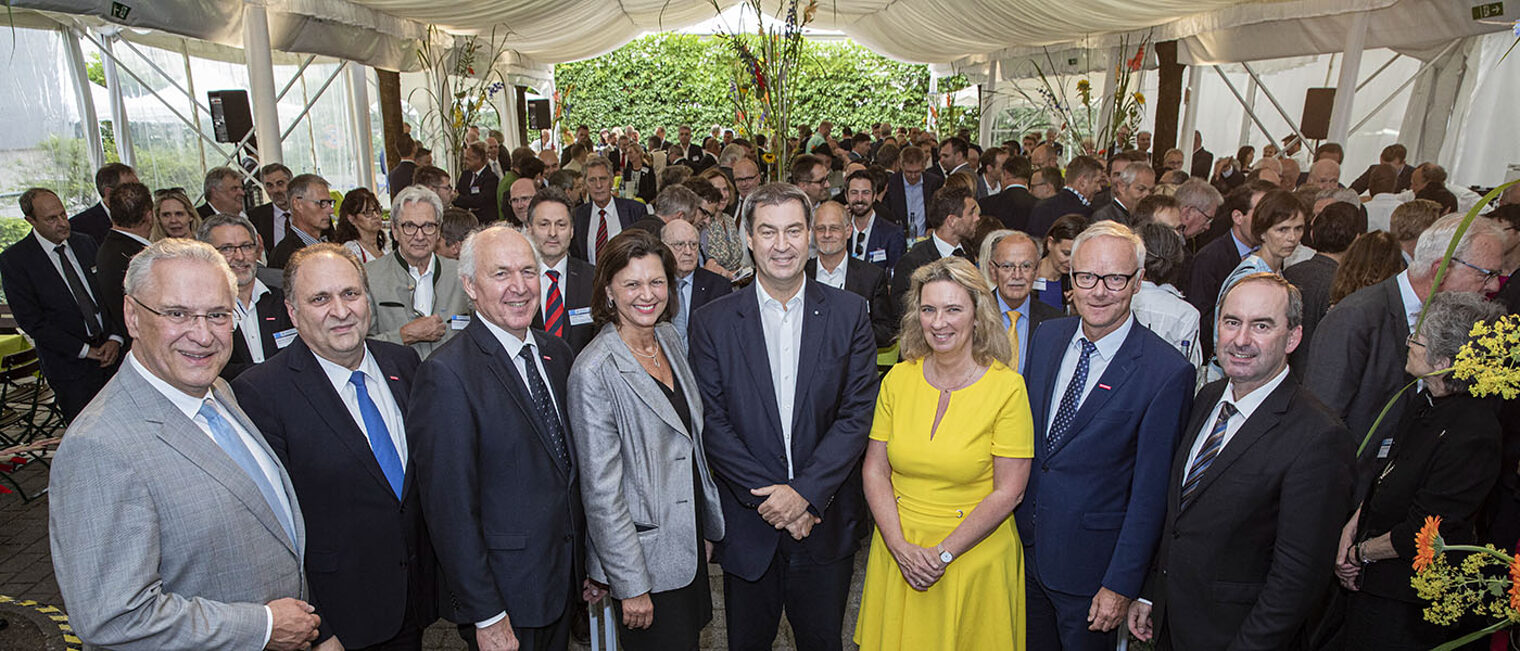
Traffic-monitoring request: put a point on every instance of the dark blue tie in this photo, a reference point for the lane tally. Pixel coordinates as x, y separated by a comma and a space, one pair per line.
233, 445
544, 405
379, 437
1206, 454
1071, 399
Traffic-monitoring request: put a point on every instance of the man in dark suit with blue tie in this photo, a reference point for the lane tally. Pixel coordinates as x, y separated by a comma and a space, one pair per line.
1084, 177
1108, 398
787, 370
694, 286
333, 407
49, 279
495, 462
96, 220
604, 216
873, 238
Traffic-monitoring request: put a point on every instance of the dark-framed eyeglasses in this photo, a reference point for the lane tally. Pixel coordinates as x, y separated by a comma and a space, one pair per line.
1412, 341
246, 248
1114, 282
218, 319
410, 228
1488, 274
321, 203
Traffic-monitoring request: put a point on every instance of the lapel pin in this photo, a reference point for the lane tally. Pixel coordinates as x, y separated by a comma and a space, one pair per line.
1105, 387
394, 378
548, 358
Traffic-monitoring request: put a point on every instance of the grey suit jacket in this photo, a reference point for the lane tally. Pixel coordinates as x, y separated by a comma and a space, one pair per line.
635, 460
160, 541
390, 299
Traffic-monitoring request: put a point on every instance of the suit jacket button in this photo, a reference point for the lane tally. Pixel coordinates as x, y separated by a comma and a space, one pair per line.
1045, 467
569, 538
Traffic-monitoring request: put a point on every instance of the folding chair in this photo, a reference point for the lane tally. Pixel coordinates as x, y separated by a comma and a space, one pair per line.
29, 422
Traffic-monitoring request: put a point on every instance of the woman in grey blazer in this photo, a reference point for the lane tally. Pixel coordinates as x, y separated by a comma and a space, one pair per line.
636, 415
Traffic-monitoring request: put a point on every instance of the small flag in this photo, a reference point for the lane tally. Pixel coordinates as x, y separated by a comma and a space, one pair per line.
1105, 387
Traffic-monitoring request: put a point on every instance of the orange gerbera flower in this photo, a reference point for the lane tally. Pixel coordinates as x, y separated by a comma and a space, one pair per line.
1425, 543
1514, 582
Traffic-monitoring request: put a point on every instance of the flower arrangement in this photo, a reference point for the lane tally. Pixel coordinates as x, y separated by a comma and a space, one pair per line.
1477, 585
1077, 119
766, 67
461, 80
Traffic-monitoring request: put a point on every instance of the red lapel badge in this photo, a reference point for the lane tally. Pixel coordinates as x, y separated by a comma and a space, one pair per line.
1105, 387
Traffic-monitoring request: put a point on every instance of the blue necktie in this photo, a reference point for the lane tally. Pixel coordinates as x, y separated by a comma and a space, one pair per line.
233, 445
1206, 454
1071, 399
683, 314
379, 437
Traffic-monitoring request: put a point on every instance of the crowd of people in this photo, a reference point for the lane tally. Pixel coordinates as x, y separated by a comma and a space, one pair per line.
1066, 395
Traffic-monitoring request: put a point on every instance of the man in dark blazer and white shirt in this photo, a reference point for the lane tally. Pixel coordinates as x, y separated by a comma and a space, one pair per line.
333, 408
835, 268
874, 239
953, 216
400, 176
1011, 260
694, 285
1260, 486
495, 460
604, 216
565, 298
96, 220
910, 190
787, 370
263, 323
131, 223
1108, 398
59, 306
272, 218
1013, 205
1083, 180
476, 188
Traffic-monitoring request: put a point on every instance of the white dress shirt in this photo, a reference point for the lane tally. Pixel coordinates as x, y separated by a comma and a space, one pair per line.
1380, 211
190, 406
379, 393
782, 324
52, 256
248, 322
543, 289
862, 235
1162, 309
1246, 405
1097, 363
946, 249
142, 240
422, 285
614, 225
1412, 302
835, 277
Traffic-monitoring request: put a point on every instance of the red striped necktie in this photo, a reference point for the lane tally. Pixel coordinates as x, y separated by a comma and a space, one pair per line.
554, 307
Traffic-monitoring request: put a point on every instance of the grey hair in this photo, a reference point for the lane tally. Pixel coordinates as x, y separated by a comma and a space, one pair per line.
215, 177
989, 244
1431, 246
223, 219
1449, 318
140, 269
1343, 195
1199, 194
467, 249
677, 199
731, 154
416, 194
1130, 172
1108, 228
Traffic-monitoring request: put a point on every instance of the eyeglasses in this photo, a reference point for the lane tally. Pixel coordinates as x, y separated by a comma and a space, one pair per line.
246, 248
218, 319
1114, 282
321, 203
1024, 267
441, 188
745, 179
1410, 341
1488, 274
689, 246
410, 228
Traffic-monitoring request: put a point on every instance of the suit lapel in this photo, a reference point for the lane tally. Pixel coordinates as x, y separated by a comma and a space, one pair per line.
751, 337
1261, 421
814, 326
643, 385
313, 384
1208, 396
1114, 380
505, 370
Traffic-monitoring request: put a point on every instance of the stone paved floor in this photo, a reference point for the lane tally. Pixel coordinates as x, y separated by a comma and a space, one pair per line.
26, 571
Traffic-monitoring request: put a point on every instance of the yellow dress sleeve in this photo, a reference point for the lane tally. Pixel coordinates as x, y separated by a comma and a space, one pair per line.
1013, 429
881, 425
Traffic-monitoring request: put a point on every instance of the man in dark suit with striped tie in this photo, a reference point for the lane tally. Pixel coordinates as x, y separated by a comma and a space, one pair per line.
604, 216
1259, 489
565, 282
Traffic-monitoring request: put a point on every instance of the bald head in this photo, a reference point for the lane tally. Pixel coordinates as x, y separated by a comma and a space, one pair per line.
1325, 174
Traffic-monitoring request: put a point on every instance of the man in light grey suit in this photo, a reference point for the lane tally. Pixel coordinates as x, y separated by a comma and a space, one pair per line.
415, 295
172, 524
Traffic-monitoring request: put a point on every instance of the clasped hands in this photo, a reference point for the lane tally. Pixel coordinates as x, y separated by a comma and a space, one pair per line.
784, 508
920, 566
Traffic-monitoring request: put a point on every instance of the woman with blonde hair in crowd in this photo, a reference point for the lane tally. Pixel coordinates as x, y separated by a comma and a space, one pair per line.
173, 215
948, 460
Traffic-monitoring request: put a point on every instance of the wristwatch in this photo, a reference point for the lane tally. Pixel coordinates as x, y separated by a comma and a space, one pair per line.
945, 556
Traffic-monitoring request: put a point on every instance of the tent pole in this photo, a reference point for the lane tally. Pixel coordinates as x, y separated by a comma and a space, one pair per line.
89, 122
312, 101
1250, 111
1168, 97
389, 85
1351, 64
1190, 116
1267, 91
260, 62
1423, 67
184, 50
1377, 72
119, 128
986, 97
1249, 103
358, 90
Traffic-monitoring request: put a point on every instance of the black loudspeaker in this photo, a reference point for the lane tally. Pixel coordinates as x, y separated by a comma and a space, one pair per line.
538, 114
231, 118
1317, 106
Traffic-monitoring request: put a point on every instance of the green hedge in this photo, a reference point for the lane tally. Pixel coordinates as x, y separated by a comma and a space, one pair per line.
671, 79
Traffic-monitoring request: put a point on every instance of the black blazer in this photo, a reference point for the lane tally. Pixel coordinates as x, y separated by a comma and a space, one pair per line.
504, 512
1039, 312
869, 282
1210, 268
647, 183
1313, 278
111, 261
92, 221
1011, 207
44, 305
887, 237
1245, 564
367, 554
1045, 213
477, 194
706, 287
273, 318
831, 418
692, 156
897, 195
1203, 163
628, 212
262, 217
288, 247
576, 288
902, 275
1406, 177
1357, 360
400, 177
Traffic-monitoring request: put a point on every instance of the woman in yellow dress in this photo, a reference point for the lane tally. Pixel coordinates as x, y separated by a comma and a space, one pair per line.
948, 460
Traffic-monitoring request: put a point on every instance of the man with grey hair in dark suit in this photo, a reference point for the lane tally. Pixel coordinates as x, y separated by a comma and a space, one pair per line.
172, 523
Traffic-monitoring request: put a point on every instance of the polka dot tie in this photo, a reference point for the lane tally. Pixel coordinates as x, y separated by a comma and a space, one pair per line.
1071, 399
544, 405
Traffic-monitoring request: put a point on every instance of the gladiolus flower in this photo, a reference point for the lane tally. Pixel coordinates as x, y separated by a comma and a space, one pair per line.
1426, 543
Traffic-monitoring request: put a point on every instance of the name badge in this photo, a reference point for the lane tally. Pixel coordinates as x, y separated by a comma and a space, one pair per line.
1039, 284
474, 190
580, 316
459, 321
284, 338
879, 255
1385, 447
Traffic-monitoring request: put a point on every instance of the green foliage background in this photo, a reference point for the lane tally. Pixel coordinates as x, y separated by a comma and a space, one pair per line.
670, 79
